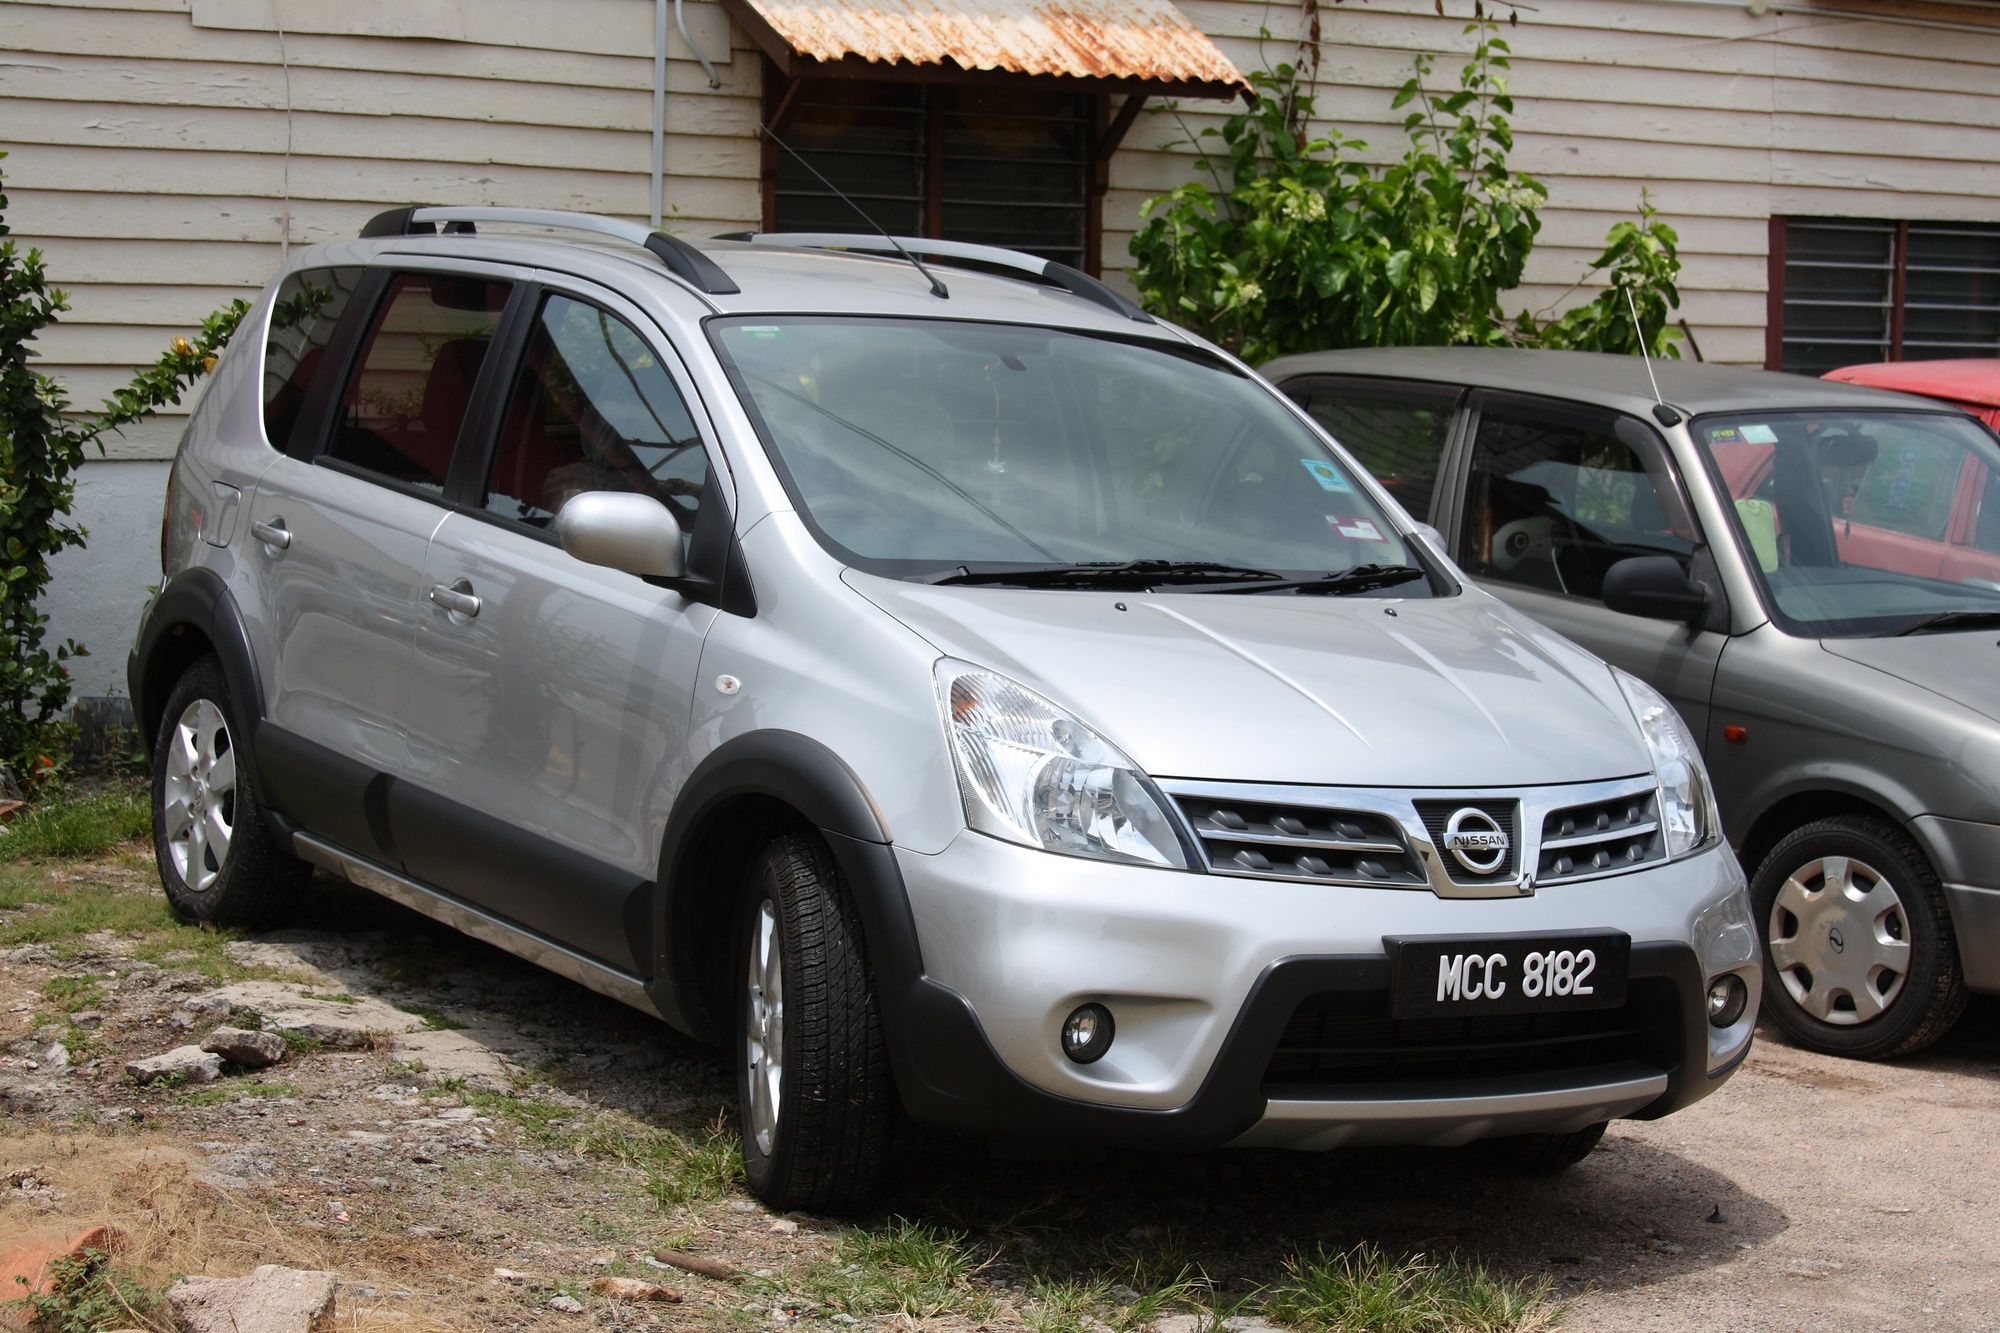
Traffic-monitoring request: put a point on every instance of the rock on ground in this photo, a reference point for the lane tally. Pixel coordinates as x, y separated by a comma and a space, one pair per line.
253, 1050
189, 1062
344, 1022
274, 1299
455, 1055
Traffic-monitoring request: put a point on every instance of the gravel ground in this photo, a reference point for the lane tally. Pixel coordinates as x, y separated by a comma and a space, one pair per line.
1810, 1193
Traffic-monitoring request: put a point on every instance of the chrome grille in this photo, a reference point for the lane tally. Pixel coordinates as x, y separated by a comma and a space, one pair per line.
1507, 814
1297, 842
1602, 836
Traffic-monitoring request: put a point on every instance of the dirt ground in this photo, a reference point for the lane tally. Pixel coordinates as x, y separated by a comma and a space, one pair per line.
554, 1137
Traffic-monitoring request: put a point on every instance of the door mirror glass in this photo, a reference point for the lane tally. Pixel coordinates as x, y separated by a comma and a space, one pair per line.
1654, 586
623, 531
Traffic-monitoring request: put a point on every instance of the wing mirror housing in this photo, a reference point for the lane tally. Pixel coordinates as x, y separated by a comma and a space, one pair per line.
1654, 586
620, 530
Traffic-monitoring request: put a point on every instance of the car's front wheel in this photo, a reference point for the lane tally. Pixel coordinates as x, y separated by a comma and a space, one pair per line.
219, 862
1860, 958
816, 1098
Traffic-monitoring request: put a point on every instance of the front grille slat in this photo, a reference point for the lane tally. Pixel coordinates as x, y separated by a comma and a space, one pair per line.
1345, 1039
1599, 837
1264, 840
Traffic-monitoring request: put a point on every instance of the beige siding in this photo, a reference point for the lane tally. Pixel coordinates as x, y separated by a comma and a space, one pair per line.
1725, 117
149, 138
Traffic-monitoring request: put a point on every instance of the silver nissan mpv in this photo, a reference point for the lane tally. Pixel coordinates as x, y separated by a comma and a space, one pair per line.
957, 692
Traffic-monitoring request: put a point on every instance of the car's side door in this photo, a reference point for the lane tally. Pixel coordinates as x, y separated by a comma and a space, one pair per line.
1398, 429
1976, 559
1550, 496
339, 529
550, 698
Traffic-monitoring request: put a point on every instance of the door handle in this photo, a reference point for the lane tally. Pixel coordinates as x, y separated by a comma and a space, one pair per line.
272, 533
457, 598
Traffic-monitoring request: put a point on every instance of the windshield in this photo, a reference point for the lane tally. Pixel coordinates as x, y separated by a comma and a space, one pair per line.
1864, 522
921, 448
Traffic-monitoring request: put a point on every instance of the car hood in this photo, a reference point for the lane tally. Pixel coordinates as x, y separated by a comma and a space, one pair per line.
1449, 692
1960, 665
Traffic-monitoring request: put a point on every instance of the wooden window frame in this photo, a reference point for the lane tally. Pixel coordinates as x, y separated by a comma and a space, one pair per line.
1109, 128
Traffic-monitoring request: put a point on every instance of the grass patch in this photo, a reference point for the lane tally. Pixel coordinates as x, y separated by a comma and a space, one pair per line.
232, 1090
907, 1269
680, 1168
435, 1020
71, 994
335, 997
1363, 1290
88, 1292
78, 825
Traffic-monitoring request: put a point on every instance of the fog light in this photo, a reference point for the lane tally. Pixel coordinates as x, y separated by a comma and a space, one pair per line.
1727, 997
1086, 1034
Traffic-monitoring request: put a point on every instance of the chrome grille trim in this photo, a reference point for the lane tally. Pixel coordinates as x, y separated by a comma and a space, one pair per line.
1383, 813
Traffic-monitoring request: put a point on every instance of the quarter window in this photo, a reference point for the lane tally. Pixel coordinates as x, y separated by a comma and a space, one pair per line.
308, 308
1397, 435
401, 414
592, 409
1555, 499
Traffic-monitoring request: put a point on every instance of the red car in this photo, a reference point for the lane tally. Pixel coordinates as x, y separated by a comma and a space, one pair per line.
1952, 536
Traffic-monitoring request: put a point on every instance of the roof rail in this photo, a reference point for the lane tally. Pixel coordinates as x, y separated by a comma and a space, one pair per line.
1062, 275
682, 260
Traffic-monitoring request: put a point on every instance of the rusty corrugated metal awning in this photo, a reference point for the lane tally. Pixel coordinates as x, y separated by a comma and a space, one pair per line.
1139, 45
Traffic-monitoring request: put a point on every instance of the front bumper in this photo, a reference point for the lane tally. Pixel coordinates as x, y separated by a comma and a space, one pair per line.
1209, 979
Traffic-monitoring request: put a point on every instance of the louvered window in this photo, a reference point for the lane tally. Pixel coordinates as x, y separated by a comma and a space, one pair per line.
1851, 290
997, 166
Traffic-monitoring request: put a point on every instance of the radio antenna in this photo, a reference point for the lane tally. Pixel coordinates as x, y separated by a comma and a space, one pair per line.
1667, 416
938, 289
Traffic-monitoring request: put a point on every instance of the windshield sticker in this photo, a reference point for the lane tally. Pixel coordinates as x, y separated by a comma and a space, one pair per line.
762, 332
1759, 435
1354, 529
1724, 435
1328, 477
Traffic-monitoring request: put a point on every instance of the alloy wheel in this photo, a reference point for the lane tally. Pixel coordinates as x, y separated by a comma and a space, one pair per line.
766, 1035
1840, 940
200, 794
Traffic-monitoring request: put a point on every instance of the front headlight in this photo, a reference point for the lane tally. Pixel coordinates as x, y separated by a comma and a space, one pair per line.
1031, 773
1687, 806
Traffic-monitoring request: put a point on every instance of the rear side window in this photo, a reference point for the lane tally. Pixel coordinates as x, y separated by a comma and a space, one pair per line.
592, 409
412, 384
1557, 497
1986, 535
308, 307
1398, 435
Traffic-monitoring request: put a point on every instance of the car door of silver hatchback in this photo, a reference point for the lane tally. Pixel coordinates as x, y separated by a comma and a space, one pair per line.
549, 698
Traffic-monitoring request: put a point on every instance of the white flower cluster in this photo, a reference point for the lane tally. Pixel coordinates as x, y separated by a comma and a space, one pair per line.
1304, 208
1519, 195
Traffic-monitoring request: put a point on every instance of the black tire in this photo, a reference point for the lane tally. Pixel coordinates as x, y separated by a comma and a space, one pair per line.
252, 881
824, 1149
1542, 1154
1918, 1005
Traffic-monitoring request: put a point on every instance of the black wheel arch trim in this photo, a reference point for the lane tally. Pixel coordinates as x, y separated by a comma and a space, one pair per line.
798, 772
196, 599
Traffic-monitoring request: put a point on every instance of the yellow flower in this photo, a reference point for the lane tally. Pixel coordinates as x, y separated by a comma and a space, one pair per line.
182, 347
208, 363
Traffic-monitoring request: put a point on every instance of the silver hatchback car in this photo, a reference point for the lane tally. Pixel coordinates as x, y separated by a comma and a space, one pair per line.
965, 698
1809, 571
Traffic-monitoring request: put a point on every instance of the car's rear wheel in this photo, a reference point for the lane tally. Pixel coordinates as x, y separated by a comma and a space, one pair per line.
1860, 958
816, 1097
219, 861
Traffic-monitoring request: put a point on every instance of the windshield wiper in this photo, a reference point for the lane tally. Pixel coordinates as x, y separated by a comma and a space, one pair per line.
1361, 578
1949, 620
1114, 576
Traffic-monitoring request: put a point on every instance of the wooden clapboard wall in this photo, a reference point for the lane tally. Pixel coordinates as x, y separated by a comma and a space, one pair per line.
1728, 117
148, 138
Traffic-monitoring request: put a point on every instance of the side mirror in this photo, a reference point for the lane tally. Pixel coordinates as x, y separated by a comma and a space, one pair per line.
623, 531
1655, 587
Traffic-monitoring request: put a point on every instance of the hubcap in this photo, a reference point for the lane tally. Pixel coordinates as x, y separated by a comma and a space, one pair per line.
766, 1038
201, 794
1840, 940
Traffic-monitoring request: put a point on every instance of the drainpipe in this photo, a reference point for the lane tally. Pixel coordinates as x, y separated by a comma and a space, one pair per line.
659, 108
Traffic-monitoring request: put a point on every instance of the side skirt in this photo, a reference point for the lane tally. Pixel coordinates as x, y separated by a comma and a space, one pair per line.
479, 924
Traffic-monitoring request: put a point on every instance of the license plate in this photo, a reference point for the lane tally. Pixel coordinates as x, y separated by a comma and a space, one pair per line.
1439, 976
